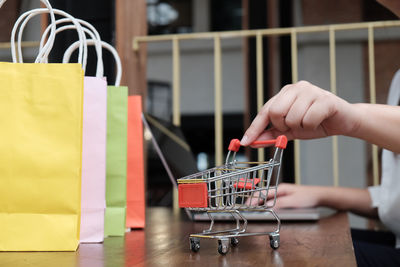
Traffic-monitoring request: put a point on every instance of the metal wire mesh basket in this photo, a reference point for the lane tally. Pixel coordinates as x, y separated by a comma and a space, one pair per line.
232, 188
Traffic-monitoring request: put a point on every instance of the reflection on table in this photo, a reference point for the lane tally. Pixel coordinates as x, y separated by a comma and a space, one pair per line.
165, 242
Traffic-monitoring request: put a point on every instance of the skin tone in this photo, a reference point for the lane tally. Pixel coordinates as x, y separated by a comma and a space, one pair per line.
355, 200
305, 111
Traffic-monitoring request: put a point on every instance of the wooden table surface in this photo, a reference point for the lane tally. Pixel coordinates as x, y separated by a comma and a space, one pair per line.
164, 242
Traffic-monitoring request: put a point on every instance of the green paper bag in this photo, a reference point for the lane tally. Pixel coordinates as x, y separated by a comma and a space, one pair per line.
116, 160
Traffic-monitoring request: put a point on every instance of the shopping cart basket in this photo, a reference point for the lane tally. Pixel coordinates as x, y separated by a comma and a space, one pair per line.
232, 188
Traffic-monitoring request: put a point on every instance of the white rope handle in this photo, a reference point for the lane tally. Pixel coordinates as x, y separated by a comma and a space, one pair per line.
92, 32
48, 45
99, 51
91, 35
43, 53
72, 48
44, 35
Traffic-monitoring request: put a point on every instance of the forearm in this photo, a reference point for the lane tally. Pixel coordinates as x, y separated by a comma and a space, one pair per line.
379, 124
355, 200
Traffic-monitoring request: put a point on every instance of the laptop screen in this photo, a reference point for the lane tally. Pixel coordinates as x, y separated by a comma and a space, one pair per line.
172, 147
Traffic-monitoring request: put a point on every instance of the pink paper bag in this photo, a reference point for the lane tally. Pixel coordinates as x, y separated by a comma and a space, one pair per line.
94, 160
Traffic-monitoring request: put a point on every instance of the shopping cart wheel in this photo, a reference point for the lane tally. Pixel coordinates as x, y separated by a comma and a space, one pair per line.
234, 241
274, 241
223, 246
194, 244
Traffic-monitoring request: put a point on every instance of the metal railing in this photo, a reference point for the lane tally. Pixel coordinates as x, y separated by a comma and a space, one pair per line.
25, 44
28, 44
259, 34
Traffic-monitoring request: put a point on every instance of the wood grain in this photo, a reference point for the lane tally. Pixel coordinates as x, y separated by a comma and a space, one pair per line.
165, 243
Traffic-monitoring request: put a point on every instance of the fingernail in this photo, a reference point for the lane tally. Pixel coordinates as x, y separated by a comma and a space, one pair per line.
244, 141
270, 203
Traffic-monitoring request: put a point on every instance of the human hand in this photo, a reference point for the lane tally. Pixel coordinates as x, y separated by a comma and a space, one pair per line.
291, 196
303, 111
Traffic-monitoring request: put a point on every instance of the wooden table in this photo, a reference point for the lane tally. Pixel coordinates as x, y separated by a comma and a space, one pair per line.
165, 243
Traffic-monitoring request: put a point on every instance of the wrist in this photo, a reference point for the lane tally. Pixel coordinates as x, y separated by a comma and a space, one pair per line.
323, 196
356, 113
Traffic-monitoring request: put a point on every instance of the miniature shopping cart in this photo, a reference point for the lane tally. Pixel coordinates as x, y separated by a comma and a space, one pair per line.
233, 188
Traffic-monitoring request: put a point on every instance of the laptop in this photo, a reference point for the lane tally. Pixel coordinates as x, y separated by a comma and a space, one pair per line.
178, 161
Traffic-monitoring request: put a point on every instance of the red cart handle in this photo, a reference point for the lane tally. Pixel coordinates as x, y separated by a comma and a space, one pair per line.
280, 142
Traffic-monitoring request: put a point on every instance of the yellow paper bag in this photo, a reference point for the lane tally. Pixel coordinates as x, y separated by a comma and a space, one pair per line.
40, 156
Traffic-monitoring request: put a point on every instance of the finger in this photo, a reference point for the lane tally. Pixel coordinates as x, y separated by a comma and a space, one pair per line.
294, 117
316, 114
256, 199
258, 125
283, 202
270, 194
280, 107
283, 190
274, 112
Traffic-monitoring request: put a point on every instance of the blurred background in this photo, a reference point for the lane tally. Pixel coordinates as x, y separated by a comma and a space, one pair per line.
148, 72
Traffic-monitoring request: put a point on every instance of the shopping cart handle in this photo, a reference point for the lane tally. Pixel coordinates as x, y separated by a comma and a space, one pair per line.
279, 142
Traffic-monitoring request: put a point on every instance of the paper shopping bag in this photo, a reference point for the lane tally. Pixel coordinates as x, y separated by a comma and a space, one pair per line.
117, 112
135, 213
94, 160
40, 156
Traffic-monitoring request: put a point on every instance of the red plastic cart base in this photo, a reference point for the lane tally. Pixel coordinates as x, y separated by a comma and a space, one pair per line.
193, 195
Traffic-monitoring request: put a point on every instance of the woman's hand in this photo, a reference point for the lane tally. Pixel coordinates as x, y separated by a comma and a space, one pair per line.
296, 196
291, 196
355, 200
303, 111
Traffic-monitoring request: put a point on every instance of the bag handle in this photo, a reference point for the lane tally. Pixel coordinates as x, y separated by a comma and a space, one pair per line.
91, 35
43, 53
92, 32
71, 49
49, 44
